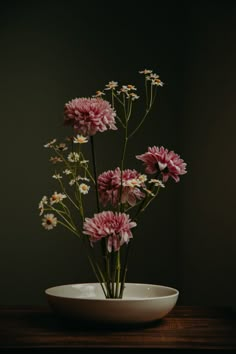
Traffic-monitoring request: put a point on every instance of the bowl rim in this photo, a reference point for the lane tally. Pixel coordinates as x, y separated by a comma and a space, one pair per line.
174, 295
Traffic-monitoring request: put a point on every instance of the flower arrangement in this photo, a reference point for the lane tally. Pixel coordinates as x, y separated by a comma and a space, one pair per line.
122, 194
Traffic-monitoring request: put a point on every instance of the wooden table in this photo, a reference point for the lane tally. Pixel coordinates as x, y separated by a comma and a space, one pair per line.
26, 330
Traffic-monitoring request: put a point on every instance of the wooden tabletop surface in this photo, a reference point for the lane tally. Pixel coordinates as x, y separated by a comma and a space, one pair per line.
185, 327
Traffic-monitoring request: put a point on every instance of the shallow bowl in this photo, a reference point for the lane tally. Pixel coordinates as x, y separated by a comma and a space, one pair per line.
141, 303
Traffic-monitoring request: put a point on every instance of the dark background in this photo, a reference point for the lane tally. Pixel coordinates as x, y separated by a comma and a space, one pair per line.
54, 51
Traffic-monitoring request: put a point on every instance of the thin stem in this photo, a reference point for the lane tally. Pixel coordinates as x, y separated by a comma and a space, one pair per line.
112, 99
124, 105
87, 170
118, 273
146, 202
146, 91
122, 163
95, 172
81, 202
155, 94
67, 212
130, 110
124, 271
150, 104
103, 241
97, 274
108, 274
94, 264
117, 98
113, 273
63, 217
70, 199
67, 227
150, 200
119, 119
62, 157
113, 105
140, 123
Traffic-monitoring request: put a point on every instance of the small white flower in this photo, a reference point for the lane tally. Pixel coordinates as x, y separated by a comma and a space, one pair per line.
42, 202
79, 178
131, 87
145, 71
154, 76
124, 89
133, 96
57, 176
111, 85
99, 94
157, 82
57, 198
84, 188
73, 157
157, 183
49, 221
67, 172
50, 144
84, 161
133, 183
55, 159
142, 178
72, 182
61, 147
80, 139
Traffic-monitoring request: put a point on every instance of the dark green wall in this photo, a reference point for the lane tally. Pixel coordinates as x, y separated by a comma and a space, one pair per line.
54, 51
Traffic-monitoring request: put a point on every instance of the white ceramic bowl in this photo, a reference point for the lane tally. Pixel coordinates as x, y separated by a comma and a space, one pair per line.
141, 303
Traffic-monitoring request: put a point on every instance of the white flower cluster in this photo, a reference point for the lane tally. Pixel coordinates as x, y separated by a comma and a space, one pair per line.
72, 162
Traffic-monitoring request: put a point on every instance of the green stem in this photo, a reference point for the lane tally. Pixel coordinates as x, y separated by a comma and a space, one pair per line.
155, 94
119, 119
69, 228
113, 273
94, 264
112, 99
122, 164
108, 275
87, 170
146, 91
70, 199
147, 200
124, 271
124, 106
95, 172
118, 273
140, 123
130, 110
63, 217
122, 103
150, 200
150, 103
68, 213
149, 106
97, 274
103, 241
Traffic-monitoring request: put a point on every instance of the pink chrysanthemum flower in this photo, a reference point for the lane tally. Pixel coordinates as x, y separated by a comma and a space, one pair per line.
89, 115
115, 226
109, 184
166, 162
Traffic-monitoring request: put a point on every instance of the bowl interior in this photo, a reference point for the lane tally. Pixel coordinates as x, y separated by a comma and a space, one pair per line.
94, 291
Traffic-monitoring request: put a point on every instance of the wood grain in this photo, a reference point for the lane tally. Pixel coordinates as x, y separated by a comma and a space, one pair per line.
185, 327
